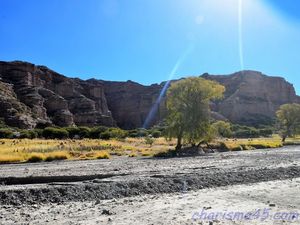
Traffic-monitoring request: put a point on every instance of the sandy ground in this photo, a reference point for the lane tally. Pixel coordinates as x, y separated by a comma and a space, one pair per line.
254, 187
265, 200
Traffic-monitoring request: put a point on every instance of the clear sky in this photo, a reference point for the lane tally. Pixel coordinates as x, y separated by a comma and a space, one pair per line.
147, 40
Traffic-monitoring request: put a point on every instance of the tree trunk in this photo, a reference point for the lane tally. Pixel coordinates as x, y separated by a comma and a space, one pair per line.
283, 139
179, 139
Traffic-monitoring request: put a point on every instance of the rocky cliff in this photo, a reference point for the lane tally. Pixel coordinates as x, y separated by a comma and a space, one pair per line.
252, 97
33, 96
37, 96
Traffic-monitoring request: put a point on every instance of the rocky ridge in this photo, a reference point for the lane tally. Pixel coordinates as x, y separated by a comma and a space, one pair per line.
33, 96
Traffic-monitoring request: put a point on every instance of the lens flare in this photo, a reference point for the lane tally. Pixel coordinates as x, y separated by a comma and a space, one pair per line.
154, 109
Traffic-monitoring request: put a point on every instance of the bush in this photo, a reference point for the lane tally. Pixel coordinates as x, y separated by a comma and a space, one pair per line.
252, 132
266, 132
39, 132
34, 158
156, 133
142, 132
117, 133
57, 156
245, 132
2, 123
223, 128
30, 134
55, 133
79, 132
132, 155
149, 141
133, 133
105, 135
113, 133
96, 132
73, 131
6, 133
102, 155
84, 132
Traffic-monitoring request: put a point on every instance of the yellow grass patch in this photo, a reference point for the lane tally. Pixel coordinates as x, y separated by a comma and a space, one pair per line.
37, 150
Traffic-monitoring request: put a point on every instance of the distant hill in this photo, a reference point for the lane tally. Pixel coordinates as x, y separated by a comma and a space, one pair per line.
33, 96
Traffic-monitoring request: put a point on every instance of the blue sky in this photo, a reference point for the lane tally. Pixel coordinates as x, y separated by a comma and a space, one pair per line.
144, 40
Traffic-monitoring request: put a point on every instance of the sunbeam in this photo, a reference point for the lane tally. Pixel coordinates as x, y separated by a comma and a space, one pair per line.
153, 111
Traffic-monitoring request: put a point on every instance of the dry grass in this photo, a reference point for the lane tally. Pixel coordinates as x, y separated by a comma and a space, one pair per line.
250, 144
38, 150
102, 155
10, 159
60, 155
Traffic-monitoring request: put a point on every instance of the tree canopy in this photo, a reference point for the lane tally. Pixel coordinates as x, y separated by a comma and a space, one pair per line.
288, 117
188, 109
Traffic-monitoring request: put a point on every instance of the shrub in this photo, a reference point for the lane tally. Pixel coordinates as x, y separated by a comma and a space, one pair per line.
146, 154
80, 132
55, 133
117, 133
34, 158
84, 132
73, 131
102, 155
223, 128
30, 134
156, 133
57, 156
266, 132
6, 133
105, 135
96, 132
245, 132
133, 133
2, 123
39, 132
142, 132
149, 141
166, 154
132, 155
114, 133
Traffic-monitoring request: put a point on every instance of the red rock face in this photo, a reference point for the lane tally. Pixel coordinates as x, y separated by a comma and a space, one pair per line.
130, 103
252, 97
32, 95
51, 98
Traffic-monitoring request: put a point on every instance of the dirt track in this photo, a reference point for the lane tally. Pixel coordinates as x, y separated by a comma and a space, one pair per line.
80, 183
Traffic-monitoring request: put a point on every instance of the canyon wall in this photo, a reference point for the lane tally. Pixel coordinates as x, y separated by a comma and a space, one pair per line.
33, 96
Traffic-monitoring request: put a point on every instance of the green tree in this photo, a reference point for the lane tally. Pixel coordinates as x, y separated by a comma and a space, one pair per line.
223, 129
188, 109
288, 117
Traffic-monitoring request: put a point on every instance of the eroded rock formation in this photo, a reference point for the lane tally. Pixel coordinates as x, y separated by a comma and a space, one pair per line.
33, 95
47, 97
252, 97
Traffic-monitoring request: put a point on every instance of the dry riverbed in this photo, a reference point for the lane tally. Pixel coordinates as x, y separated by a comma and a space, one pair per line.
156, 191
